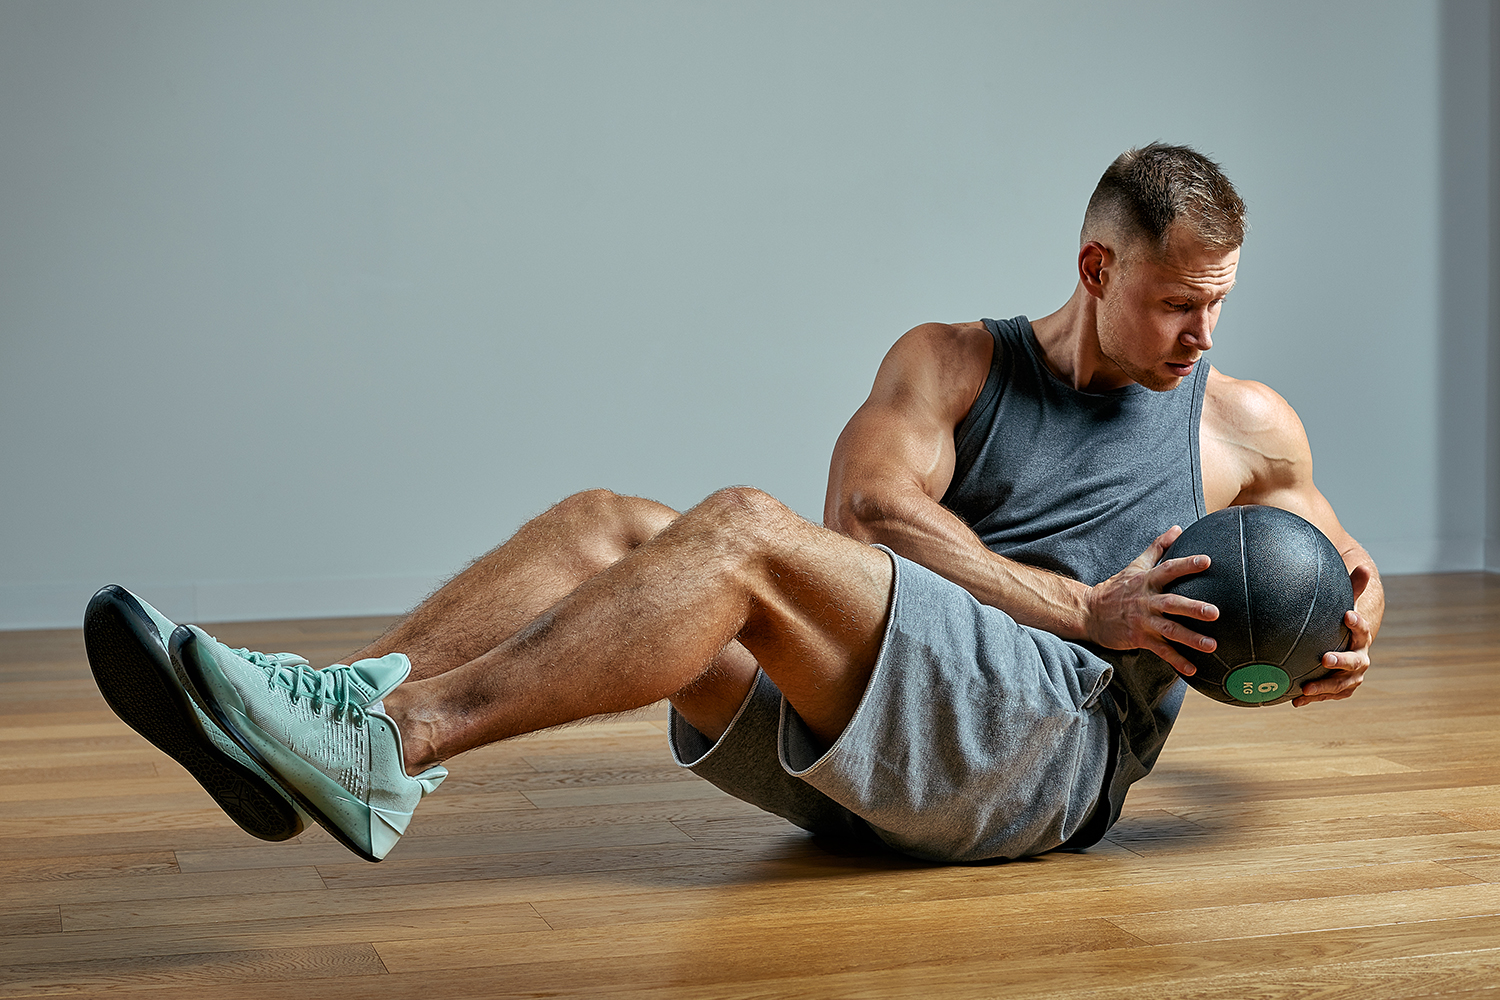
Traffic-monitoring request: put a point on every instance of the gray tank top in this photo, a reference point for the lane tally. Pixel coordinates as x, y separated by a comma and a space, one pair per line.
1080, 483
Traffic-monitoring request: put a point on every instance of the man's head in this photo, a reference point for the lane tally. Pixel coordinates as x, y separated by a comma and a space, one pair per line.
1160, 247
1147, 195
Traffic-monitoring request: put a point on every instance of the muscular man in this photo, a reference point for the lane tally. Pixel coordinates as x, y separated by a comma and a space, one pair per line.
986, 681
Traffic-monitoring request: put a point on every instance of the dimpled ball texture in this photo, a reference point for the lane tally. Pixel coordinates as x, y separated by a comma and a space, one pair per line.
1281, 589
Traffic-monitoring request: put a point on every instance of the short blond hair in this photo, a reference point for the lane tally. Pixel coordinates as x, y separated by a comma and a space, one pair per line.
1147, 191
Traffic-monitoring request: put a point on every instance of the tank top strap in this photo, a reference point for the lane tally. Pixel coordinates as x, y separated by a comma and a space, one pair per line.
969, 436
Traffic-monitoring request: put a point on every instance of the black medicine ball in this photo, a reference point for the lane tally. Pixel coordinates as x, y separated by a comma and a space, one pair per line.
1281, 589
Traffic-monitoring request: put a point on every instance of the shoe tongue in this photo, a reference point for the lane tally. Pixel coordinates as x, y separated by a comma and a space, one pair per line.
379, 677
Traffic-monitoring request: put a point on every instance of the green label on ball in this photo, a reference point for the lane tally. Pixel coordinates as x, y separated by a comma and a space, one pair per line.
1257, 682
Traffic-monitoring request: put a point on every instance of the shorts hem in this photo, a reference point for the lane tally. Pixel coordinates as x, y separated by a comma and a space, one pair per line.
791, 722
680, 730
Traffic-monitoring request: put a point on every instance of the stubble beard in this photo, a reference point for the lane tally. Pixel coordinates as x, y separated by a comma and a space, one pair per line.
1152, 378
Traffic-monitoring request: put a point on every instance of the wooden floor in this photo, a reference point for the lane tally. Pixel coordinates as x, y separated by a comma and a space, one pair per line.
1343, 851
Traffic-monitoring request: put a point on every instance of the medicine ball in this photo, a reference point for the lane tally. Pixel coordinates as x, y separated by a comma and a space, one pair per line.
1281, 589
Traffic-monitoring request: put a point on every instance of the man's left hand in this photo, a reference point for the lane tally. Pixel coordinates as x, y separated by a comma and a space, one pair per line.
1350, 665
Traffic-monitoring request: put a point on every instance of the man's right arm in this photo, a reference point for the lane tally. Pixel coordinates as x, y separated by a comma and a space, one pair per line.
895, 460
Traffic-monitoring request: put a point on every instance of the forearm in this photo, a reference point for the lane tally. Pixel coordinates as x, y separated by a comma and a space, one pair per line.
913, 524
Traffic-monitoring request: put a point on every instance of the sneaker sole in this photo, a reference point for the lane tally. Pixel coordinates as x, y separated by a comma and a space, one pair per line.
138, 682
247, 735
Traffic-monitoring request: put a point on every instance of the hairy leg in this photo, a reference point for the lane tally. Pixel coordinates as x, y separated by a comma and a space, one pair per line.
504, 590
808, 604
550, 556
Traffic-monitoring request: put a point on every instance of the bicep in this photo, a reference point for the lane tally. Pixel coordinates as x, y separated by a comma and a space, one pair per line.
888, 442
901, 439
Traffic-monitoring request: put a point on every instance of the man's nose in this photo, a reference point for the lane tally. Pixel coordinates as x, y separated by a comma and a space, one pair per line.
1199, 330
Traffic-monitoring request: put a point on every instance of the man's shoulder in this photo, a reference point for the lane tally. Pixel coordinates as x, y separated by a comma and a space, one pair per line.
1252, 441
947, 338
942, 364
945, 350
1246, 406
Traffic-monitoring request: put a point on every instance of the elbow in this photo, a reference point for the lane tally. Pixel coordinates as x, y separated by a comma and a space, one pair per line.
858, 514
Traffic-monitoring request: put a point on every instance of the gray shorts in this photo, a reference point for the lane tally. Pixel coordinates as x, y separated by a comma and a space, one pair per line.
977, 737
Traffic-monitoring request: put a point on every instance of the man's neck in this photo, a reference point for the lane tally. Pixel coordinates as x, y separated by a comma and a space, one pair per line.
1069, 339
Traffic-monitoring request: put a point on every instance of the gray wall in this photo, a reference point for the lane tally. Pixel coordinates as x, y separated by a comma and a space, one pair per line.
302, 305
1492, 425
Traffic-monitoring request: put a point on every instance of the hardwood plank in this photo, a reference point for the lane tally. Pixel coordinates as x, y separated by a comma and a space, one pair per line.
210, 830
664, 791
648, 858
1163, 831
241, 968
1485, 868
736, 949
161, 885
1467, 976
1264, 918
1219, 788
733, 948
327, 852
70, 731
1282, 811
1479, 817
227, 933
995, 903
248, 906
95, 794
93, 866
61, 774
524, 782
164, 810
15, 921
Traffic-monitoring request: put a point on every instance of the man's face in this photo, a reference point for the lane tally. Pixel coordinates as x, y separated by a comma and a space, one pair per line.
1157, 315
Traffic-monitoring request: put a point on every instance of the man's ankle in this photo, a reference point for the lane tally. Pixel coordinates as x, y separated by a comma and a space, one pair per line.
418, 748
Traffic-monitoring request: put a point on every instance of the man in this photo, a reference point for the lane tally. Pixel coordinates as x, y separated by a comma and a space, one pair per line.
985, 682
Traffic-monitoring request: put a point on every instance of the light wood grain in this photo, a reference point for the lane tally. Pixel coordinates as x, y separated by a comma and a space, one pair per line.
1347, 851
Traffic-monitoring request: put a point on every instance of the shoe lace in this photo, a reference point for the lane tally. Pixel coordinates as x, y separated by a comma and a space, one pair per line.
268, 659
336, 686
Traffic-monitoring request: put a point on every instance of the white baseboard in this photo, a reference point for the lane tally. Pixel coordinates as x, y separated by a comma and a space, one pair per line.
60, 605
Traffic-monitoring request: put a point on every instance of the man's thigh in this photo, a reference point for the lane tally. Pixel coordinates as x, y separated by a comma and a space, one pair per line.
819, 605
977, 737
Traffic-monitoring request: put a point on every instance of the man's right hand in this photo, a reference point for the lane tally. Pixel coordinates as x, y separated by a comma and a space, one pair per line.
1128, 611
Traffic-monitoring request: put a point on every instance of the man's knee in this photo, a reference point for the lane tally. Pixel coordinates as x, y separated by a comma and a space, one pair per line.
609, 525
747, 517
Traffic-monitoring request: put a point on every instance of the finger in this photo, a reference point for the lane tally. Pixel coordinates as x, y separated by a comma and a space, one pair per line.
1359, 630
1162, 544
1176, 604
1347, 662
1359, 579
1173, 657
1342, 682
1180, 633
1170, 570
1305, 700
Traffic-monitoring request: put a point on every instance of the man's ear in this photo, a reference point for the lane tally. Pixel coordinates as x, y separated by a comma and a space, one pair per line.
1094, 260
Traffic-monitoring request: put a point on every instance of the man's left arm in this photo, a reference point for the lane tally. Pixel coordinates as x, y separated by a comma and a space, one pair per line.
1252, 430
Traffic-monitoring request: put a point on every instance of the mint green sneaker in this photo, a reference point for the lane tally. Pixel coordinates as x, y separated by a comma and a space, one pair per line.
126, 639
323, 735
